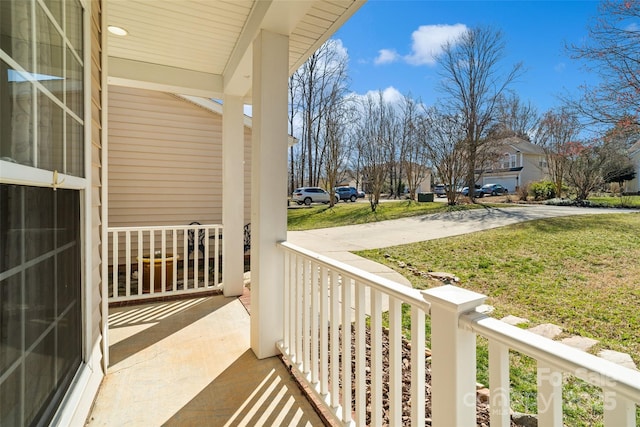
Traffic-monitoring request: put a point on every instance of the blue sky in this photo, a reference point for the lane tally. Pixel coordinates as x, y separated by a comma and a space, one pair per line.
388, 44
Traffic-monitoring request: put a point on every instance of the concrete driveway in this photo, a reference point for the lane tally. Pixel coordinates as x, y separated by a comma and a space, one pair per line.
338, 242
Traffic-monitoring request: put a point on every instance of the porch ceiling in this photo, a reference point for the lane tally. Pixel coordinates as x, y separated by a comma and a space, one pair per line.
203, 47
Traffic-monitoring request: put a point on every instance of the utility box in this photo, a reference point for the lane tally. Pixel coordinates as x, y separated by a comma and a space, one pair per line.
425, 197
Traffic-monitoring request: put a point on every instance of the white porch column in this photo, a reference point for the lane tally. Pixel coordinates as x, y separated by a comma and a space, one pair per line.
268, 190
233, 195
453, 359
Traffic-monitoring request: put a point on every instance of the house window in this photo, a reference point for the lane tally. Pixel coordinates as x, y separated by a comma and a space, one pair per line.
508, 161
542, 162
42, 138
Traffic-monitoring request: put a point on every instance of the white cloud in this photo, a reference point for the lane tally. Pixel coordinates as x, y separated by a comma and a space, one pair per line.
386, 56
428, 41
392, 95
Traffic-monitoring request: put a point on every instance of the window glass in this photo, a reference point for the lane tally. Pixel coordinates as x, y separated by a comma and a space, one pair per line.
15, 31
74, 86
50, 134
49, 55
73, 11
55, 7
40, 310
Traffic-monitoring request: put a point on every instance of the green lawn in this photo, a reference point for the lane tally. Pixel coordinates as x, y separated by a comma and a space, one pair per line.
616, 201
581, 273
323, 216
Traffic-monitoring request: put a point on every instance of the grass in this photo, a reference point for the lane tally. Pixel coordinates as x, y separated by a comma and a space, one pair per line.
616, 201
323, 216
581, 273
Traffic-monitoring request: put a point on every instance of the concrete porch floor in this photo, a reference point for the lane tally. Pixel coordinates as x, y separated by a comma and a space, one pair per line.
188, 363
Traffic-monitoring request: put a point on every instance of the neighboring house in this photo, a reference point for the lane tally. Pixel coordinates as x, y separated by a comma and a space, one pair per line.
633, 186
58, 66
521, 163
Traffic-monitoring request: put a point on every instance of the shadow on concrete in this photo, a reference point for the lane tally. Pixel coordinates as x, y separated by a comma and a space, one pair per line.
250, 392
156, 321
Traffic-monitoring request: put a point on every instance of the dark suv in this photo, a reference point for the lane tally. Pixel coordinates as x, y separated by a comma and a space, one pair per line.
346, 193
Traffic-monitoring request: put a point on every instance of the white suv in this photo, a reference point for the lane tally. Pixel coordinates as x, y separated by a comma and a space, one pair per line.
308, 195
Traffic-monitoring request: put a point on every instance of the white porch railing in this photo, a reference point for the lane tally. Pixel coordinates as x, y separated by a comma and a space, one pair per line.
321, 294
185, 259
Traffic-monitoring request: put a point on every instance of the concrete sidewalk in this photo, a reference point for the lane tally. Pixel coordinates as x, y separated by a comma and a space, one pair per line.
339, 242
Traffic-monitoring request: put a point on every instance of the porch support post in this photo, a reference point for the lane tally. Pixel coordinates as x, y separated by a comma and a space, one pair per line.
268, 190
453, 360
233, 196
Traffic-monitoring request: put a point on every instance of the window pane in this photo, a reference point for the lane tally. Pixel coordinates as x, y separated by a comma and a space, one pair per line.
49, 51
75, 147
40, 299
15, 31
74, 25
75, 90
55, 7
16, 116
50, 134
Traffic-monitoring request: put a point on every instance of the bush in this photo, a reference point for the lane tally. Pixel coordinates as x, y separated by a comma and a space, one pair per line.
523, 192
542, 190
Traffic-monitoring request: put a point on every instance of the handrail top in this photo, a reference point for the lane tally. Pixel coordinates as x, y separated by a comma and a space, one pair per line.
404, 293
162, 227
592, 369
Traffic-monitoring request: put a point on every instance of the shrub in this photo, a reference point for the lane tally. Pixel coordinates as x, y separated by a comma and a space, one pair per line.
523, 192
542, 190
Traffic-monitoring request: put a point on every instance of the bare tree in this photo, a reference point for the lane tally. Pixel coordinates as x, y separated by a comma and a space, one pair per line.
336, 127
612, 51
473, 84
313, 85
555, 133
584, 168
375, 135
513, 118
415, 156
444, 142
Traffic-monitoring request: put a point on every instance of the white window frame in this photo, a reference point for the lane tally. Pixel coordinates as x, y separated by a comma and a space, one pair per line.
14, 173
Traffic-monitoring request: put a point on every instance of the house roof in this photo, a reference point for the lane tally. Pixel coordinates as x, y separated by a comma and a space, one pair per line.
522, 145
204, 47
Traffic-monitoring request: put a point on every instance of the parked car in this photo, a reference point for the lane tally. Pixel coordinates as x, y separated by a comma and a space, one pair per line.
346, 193
361, 194
440, 190
308, 195
494, 189
477, 192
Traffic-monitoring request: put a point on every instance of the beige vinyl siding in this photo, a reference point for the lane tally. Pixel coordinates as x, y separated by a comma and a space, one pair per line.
96, 184
165, 161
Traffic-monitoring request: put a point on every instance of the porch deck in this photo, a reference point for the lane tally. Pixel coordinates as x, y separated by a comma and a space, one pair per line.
189, 362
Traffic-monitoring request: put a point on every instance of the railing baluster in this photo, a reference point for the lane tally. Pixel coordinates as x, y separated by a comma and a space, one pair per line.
334, 340
417, 366
324, 332
216, 261
314, 323
152, 261
395, 362
376, 358
287, 301
549, 396
299, 286
499, 384
114, 273
205, 262
185, 259
196, 252
163, 260
140, 255
618, 411
346, 349
174, 238
127, 280
306, 317
360, 370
